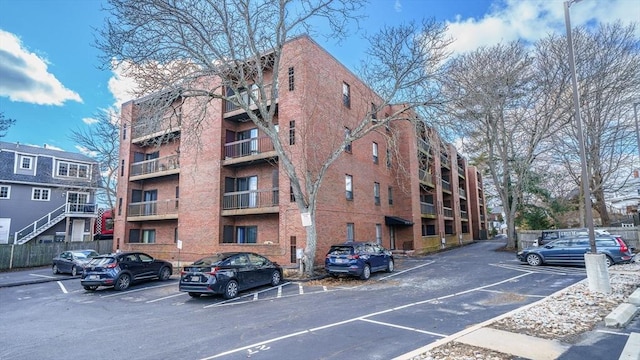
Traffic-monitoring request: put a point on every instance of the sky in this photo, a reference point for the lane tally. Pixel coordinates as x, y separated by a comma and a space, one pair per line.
52, 81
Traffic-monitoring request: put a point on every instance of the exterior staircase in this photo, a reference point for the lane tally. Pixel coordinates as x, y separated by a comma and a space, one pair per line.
39, 226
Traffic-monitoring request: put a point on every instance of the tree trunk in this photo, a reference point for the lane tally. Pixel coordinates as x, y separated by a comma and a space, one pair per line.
601, 207
309, 256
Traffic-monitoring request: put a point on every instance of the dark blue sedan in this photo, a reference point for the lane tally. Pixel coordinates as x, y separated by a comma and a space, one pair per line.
570, 251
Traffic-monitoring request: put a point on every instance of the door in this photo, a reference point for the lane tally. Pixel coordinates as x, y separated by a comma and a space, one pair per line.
5, 224
77, 230
392, 236
150, 199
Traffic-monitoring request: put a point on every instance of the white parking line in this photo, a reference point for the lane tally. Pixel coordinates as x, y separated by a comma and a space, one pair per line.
64, 290
121, 293
508, 292
300, 289
166, 297
404, 271
242, 297
44, 276
405, 328
309, 331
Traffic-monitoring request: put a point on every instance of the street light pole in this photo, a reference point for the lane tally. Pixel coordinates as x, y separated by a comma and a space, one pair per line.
585, 178
635, 115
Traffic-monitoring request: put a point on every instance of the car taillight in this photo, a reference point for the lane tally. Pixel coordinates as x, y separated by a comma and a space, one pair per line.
213, 271
353, 257
623, 246
111, 266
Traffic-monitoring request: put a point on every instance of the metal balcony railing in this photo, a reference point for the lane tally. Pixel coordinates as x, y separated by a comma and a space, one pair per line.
448, 212
250, 199
153, 166
154, 208
446, 185
39, 226
248, 147
427, 209
462, 192
464, 215
230, 106
426, 177
424, 146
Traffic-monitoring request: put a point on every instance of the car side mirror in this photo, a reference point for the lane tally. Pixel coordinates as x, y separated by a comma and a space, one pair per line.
548, 246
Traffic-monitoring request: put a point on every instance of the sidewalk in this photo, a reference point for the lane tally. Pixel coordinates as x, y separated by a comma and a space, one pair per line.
493, 339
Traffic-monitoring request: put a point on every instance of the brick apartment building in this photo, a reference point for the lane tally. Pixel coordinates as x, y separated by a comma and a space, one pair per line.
224, 190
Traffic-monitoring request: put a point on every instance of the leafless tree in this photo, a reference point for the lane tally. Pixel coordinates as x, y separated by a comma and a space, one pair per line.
175, 48
5, 124
505, 101
608, 72
100, 141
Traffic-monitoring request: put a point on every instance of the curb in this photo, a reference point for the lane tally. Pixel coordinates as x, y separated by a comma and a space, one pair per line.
38, 281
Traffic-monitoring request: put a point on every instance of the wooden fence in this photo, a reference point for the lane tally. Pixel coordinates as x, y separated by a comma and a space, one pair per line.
14, 256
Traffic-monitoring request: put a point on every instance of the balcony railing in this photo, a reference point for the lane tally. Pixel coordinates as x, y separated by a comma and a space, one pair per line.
448, 212
446, 185
427, 209
424, 146
157, 209
248, 147
250, 199
230, 106
462, 192
464, 214
157, 166
461, 171
426, 177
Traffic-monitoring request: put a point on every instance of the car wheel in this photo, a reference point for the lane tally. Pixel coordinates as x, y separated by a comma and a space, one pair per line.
90, 287
74, 271
275, 278
231, 290
366, 272
194, 295
608, 260
165, 273
123, 282
390, 265
55, 269
334, 275
534, 260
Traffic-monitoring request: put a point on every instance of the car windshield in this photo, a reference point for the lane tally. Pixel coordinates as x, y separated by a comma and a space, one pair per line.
84, 254
340, 250
101, 261
211, 259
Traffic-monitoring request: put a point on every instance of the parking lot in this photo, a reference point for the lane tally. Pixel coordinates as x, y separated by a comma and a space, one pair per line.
425, 299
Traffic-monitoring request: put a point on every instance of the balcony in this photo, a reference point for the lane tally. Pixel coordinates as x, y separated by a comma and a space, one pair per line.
464, 215
250, 202
163, 166
428, 209
446, 186
461, 172
248, 150
424, 146
444, 161
153, 210
427, 178
448, 212
462, 192
235, 112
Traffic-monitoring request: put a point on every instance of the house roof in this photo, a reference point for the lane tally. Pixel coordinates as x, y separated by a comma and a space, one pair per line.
44, 151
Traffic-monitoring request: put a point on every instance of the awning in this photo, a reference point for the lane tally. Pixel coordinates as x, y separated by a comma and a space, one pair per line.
397, 221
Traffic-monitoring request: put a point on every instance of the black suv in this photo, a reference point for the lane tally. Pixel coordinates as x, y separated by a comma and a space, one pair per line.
358, 259
122, 269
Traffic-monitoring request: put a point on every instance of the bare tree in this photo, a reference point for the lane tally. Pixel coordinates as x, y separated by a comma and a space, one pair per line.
5, 124
608, 71
199, 52
100, 141
505, 101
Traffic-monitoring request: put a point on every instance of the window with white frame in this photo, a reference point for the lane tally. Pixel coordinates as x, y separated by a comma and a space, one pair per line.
351, 231
346, 95
73, 170
148, 236
26, 162
5, 192
376, 193
348, 184
375, 153
40, 194
379, 234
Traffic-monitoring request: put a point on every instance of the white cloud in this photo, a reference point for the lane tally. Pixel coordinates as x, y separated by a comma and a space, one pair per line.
121, 86
90, 121
397, 6
534, 19
84, 151
25, 75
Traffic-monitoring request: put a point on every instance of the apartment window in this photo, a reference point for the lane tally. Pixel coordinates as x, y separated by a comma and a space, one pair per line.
379, 234
122, 168
376, 193
348, 184
375, 152
119, 206
26, 162
134, 235
388, 158
292, 132
292, 250
239, 234
390, 193
350, 232
124, 131
346, 95
5, 192
40, 194
347, 134
292, 196
374, 114
67, 169
148, 236
291, 79
175, 235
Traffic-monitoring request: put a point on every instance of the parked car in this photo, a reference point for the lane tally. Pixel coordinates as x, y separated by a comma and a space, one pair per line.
555, 234
570, 251
122, 269
72, 261
229, 273
358, 259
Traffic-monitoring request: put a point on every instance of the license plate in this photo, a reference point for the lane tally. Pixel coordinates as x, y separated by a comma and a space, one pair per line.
195, 278
341, 261
94, 277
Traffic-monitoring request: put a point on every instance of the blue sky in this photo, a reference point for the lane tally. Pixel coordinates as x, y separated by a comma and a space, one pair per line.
51, 83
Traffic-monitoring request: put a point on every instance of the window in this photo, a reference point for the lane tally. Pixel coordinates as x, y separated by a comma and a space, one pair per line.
5, 192
375, 153
175, 235
74, 170
347, 134
293, 250
374, 114
119, 206
40, 194
149, 236
134, 235
122, 168
292, 196
388, 158
350, 232
390, 193
346, 95
376, 193
348, 184
124, 131
291, 79
379, 234
246, 234
26, 162
292, 132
